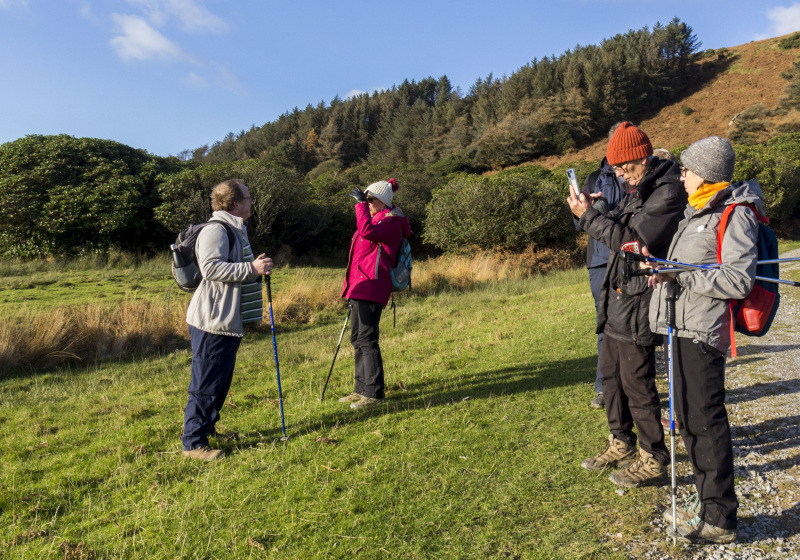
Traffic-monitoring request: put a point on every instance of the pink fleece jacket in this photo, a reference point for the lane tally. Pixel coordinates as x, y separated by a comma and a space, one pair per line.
373, 253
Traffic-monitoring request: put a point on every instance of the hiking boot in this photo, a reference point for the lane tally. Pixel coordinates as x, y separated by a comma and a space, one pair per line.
365, 402
617, 454
204, 453
597, 401
688, 512
698, 531
352, 397
645, 470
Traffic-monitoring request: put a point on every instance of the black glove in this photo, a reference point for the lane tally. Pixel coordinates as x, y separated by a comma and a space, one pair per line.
601, 205
358, 194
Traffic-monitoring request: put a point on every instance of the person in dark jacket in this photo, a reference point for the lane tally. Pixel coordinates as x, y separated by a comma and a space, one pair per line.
702, 331
649, 214
380, 228
610, 189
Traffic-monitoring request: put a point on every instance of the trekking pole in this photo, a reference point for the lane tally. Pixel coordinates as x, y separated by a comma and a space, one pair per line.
629, 270
672, 289
346, 317
275, 350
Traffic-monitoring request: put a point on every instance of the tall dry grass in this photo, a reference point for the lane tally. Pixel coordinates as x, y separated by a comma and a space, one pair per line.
465, 272
46, 339
89, 332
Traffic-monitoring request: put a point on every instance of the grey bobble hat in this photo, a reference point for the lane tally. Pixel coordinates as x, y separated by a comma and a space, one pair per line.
711, 158
383, 190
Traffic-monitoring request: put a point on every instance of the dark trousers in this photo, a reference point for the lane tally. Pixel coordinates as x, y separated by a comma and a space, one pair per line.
631, 396
596, 276
213, 359
365, 316
699, 379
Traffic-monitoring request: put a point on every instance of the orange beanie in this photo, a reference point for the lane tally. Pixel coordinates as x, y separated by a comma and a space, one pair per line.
628, 144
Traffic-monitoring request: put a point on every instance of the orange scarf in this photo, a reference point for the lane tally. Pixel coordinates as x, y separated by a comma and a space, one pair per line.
701, 196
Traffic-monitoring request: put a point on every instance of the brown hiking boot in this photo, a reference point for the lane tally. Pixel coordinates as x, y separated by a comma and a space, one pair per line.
688, 512
204, 453
617, 454
645, 470
352, 397
698, 531
365, 402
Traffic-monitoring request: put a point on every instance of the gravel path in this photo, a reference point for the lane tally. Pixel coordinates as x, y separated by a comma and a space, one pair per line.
763, 402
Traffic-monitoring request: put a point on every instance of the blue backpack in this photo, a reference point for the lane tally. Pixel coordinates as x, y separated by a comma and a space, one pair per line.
401, 273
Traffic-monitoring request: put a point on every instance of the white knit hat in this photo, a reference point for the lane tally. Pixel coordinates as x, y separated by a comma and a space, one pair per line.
383, 190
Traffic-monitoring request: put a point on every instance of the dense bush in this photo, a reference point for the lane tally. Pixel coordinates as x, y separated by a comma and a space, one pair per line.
416, 185
65, 195
510, 210
776, 167
283, 212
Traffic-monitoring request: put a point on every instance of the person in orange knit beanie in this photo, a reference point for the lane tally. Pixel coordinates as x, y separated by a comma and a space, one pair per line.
649, 214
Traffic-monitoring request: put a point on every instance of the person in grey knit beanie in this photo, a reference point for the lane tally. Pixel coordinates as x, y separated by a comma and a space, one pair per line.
711, 158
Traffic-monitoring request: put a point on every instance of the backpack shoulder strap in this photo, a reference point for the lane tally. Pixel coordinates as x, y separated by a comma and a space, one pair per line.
229, 231
723, 224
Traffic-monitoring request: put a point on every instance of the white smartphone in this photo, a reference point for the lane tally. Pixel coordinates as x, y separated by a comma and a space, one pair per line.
573, 183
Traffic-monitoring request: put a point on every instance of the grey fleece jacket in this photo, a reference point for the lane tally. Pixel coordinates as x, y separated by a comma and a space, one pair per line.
215, 306
701, 309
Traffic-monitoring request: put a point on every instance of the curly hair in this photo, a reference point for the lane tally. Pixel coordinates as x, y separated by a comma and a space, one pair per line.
225, 194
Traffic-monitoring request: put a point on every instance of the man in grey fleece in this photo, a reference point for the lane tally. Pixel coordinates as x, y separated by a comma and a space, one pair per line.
702, 331
229, 296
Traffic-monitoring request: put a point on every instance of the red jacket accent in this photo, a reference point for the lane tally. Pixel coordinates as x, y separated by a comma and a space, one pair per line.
373, 253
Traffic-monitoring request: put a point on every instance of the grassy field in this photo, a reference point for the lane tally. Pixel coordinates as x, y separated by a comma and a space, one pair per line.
476, 453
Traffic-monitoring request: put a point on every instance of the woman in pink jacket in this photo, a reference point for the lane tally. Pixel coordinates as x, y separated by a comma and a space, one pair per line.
368, 285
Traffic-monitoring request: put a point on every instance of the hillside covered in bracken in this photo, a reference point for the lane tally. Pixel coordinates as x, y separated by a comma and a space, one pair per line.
749, 75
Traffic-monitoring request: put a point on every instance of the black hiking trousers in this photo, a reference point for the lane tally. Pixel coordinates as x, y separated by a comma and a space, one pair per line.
631, 396
699, 379
364, 333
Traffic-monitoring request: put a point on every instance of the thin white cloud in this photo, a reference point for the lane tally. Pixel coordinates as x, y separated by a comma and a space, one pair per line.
353, 93
8, 4
191, 16
195, 80
784, 20
138, 40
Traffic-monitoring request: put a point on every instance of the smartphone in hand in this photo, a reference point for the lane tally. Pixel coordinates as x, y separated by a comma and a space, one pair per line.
573, 183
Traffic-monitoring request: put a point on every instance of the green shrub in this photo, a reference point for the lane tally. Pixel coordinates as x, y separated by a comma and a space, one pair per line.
776, 167
510, 210
790, 42
61, 195
686, 110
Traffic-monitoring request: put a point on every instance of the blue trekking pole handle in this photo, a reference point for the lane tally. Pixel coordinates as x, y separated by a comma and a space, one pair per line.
275, 350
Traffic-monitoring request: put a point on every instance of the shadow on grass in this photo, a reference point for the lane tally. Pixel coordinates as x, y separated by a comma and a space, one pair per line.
443, 392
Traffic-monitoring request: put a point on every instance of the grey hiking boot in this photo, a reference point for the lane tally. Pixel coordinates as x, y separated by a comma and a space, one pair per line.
698, 531
365, 402
597, 402
645, 470
204, 453
352, 397
617, 454
689, 511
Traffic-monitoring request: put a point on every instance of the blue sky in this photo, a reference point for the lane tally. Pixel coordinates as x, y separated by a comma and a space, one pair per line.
171, 75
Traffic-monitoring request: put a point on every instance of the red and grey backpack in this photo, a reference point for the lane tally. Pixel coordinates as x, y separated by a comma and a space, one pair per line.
753, 315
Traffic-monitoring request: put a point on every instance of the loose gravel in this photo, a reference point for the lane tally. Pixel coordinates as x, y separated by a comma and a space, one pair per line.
763, 403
